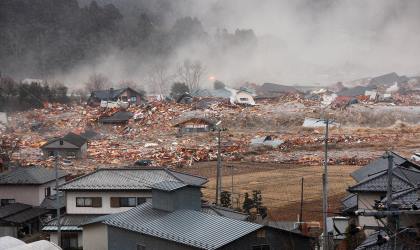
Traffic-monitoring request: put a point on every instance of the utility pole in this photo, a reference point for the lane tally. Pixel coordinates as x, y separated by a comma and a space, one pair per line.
57, 203
219, 168
389, 190
325, 188
301, 202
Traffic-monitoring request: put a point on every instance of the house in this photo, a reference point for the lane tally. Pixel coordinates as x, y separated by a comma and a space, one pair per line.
195, 124
18, 220
69, 146
388, 80
244, 96
185, 98
120, 117
174, 220
107, 191
28, 185
113, 95
371, 187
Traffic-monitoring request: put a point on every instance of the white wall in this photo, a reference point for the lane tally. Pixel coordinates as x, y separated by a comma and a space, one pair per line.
95, 237
28, 194
367, 201
106, 201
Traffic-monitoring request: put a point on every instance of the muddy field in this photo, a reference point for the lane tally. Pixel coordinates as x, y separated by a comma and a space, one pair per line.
280, 185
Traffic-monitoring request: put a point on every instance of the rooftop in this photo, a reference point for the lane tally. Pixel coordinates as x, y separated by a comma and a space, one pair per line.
131, 179
71, 138
29, 175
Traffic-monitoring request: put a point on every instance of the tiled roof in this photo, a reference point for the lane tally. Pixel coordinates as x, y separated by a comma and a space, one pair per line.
406, 198
168, 185
188, 227
109, 95
379, 165
29, 175
70, 222
379, 183
71, 138
50, 202
26, 215
130, 179
120, 116
12, 208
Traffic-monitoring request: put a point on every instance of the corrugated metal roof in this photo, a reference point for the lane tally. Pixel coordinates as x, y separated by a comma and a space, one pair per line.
188, 227
30, 175
130, 179
223, 211
168, 185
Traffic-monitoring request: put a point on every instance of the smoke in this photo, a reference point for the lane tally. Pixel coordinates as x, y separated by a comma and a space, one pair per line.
298, 42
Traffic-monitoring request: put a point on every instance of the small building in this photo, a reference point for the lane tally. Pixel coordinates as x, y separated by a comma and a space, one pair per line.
113, 95
244, 97
194, 125
18, 219
28, 185
71, 146
120, 117
173, 220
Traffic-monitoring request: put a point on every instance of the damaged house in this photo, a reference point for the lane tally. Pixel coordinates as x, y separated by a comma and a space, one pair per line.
120, 117
244, 96
128, 95
194, 125
69, 146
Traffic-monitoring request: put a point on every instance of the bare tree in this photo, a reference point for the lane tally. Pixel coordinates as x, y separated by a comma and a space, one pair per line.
160, 78
190, 73
97, 82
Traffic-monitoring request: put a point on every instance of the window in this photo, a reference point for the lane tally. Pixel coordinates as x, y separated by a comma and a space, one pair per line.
133, 99
261, 247
124, 98
243, 99
47, 191
261, 233
127, 201
141, 247
88, 202
6, 201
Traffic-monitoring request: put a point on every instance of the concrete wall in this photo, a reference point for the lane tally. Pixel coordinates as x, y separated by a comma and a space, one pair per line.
28, 194
106, 201
95, 237
119, 239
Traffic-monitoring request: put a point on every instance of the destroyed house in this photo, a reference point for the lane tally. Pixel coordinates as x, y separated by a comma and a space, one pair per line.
272, 90
120, 117
108, 191
244, 96
388, 80
112, 95
28, 185
71, 146
174, 220
194, 125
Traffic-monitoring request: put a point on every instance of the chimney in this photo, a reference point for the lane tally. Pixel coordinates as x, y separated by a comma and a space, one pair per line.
170, 196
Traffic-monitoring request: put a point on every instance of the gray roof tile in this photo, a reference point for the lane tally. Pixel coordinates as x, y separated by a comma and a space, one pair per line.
29, 175
26, 215
129, 179
13, 208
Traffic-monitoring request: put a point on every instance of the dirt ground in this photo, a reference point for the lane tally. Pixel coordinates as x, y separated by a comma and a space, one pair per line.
280, 185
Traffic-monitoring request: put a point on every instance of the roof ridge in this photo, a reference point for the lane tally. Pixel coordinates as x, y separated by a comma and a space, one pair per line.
193, 175
380, 175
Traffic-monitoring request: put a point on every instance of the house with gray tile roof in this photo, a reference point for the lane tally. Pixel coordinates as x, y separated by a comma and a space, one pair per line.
28, 185
175, 220
70, 145
114, 190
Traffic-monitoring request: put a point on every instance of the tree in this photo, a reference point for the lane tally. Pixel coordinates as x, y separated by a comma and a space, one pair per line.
256, 198
159, 76
178, 89
219, 85
190, 73
97, 82
225, 199
248, 204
